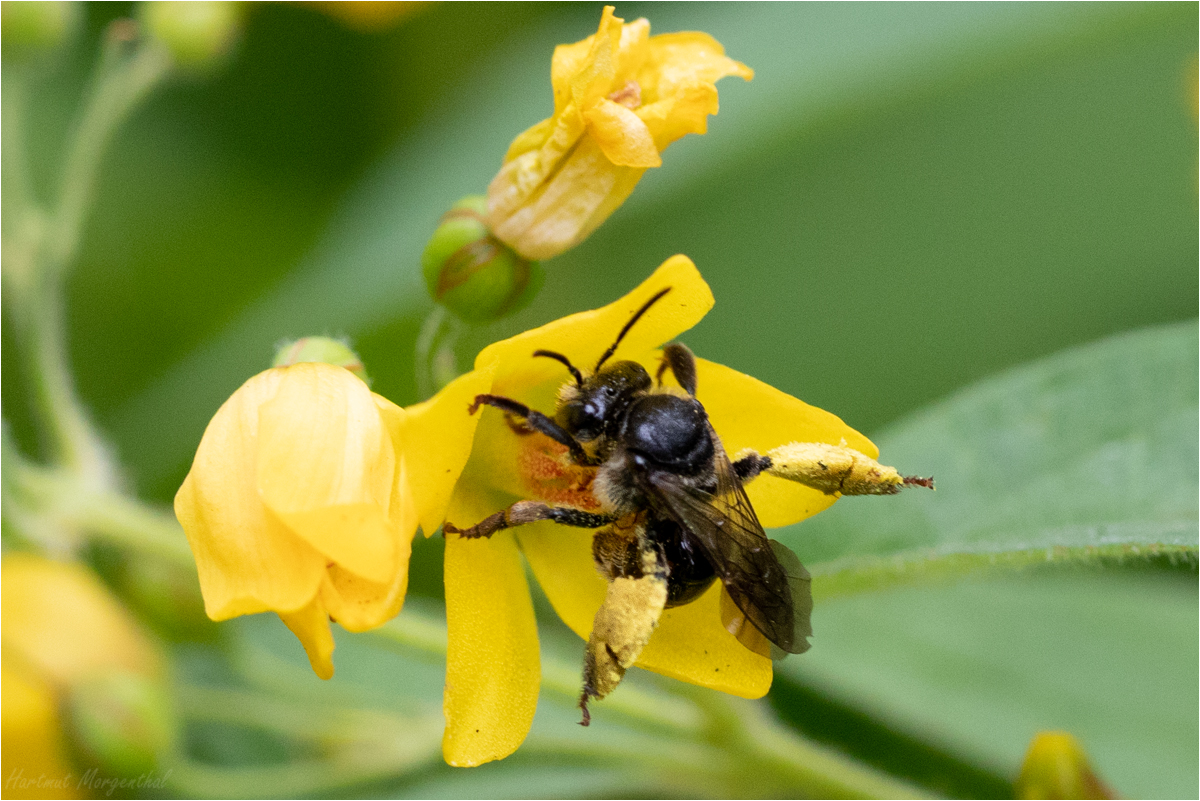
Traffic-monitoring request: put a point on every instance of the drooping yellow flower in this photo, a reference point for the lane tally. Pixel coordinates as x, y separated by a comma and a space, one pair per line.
305, 494
620, 97
61, 629
493, 667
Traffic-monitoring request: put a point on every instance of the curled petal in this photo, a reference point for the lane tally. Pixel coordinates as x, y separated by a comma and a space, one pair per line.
326, 466
248, 561
622, 135
493, 667
541, 207
310, 624
681, 113
676, 60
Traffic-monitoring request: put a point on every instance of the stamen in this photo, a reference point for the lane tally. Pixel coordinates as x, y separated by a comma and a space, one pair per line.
629, 95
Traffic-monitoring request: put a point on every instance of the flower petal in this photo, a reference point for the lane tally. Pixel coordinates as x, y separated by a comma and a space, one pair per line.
683, 112
493, 666
621, 134
32, 737
675, 60
310, 624
593, 77
747, 413
689, 644
547, 201
326, 467
583, 337
64, 624
437, 439
247, 560
357, 603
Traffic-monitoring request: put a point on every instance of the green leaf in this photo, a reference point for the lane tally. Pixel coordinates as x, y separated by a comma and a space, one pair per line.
978, 669
1087, 458
1091, 453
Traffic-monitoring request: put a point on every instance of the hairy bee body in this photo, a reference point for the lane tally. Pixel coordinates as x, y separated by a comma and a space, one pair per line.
673, 518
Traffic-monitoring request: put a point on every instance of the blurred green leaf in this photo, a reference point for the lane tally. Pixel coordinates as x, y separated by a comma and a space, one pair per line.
1090, 453
1089, 456
978, 669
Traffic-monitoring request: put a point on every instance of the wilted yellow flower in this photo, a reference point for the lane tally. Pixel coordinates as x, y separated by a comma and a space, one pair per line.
61, 629
620, 97
493, 667
1057, 767
305, 494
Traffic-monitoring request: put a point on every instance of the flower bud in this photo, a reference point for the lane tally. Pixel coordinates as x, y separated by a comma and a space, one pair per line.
472, 273
120, 721
33, 27
323, 350
1057, 767
198, 34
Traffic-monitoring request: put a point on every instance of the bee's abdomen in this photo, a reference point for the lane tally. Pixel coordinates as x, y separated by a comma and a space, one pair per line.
690, 572
671, 432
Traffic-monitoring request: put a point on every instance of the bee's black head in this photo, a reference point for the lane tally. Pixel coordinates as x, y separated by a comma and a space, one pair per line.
598, 403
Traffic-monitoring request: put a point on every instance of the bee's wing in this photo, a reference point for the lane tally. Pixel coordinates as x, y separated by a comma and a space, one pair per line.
772, 592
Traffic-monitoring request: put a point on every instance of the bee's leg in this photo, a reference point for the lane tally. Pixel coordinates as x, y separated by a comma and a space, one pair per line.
749, 464
523, 512
682, 363
623, 625
537, 421
832, 469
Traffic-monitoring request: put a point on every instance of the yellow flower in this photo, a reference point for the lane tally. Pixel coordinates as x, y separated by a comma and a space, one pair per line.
305, 494
492, 670
61, 629
620, 97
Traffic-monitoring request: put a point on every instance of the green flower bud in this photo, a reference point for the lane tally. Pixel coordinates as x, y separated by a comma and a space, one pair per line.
120, 721
320, 349
471, 272
198, 34
32, 27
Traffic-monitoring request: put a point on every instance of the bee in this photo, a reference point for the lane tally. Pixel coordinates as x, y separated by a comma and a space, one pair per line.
674, 516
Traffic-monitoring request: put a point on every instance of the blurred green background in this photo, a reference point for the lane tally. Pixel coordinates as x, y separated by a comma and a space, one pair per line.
906, 199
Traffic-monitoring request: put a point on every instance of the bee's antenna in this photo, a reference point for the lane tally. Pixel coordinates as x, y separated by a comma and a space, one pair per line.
558, 357
637, 316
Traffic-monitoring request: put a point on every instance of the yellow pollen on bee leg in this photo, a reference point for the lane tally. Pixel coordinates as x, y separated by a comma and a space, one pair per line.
833, 469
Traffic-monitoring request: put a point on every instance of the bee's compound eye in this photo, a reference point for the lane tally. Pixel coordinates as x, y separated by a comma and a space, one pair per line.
582, 420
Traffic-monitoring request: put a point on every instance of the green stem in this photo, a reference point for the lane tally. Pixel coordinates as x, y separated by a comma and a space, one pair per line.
35, 284
426, 339
74, 502
121, 83
777, 761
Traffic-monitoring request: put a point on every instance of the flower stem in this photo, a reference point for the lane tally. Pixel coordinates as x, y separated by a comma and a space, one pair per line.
783, 763
74, 502
122, 81
45, 246
426, 339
